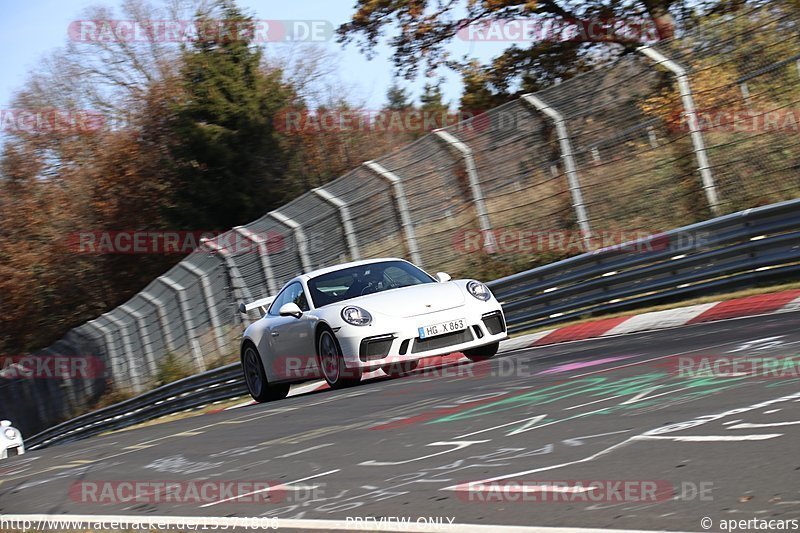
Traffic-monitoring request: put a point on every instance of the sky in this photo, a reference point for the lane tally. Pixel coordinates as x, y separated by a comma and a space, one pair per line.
31, 29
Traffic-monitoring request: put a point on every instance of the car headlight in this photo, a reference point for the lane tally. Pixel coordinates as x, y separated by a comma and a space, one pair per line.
10, 433
479, 290
356, 316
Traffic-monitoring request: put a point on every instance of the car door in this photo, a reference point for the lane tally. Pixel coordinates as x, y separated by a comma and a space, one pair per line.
292, 339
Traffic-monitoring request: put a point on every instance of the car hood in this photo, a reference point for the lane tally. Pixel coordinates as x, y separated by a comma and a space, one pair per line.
411, 301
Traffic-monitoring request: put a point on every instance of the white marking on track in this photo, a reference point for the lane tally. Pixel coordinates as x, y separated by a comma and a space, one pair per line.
710, 438
531, 420
768, 425
458, 446
665, 429
298, 452
283, 486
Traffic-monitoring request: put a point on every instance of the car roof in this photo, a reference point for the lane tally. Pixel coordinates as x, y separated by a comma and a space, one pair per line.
314, 273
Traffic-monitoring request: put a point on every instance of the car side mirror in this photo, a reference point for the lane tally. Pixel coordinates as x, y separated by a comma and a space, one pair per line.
441, 277
290, 309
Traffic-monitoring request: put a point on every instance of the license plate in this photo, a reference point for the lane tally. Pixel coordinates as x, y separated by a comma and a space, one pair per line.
442, 328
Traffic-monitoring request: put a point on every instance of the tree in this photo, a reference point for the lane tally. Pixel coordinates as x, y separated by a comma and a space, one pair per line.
397, 98
229, 162
425, 27
431, 99
432, 104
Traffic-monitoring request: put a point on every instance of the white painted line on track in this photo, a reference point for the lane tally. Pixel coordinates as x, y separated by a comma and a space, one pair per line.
298, 452
282, 486
710, 438
534, 419
769, 425
644, 436
229, 522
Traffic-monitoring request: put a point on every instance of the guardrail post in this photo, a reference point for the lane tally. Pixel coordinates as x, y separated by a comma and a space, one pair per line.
402, 208
210, 304
89, 385
569, 165
187, 321
489, 244
112, 357
694, 128
299, 236
263, 253
145, 338
240, 290
169, 340
68, 381
126, 343
347, 224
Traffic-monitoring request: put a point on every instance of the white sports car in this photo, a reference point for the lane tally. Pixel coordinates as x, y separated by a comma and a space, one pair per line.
10, 440
338, 322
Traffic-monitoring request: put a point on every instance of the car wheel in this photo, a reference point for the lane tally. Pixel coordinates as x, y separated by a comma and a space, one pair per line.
332, 364
482, 353
400, 369
256, 378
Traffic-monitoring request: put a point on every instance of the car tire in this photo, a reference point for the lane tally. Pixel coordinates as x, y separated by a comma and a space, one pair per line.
396, 370
482, 353
331, 362
256, 379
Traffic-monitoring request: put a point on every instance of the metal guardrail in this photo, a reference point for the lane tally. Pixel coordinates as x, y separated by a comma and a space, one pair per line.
222, 383
732, 250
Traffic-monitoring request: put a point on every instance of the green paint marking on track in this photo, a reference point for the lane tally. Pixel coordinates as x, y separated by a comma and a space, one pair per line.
599, 387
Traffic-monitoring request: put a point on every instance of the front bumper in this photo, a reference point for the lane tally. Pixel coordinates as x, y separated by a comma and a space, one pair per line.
12, 451
389, 341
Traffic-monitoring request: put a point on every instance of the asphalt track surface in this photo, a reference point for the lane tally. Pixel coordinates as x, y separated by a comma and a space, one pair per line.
559, 416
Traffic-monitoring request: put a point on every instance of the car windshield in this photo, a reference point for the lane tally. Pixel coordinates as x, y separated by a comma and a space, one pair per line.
364, 279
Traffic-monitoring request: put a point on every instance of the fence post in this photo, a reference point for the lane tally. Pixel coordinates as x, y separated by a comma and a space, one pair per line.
68, 381
89, 385
112, 357
187, 321
344, 214
126, 343
402, 208
694, 128
210, 304
263, 253
299, 236
240, 290
169, 340
569, 165
490, 244
143, 335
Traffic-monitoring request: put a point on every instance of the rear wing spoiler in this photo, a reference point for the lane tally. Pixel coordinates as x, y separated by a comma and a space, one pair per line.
261, 304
